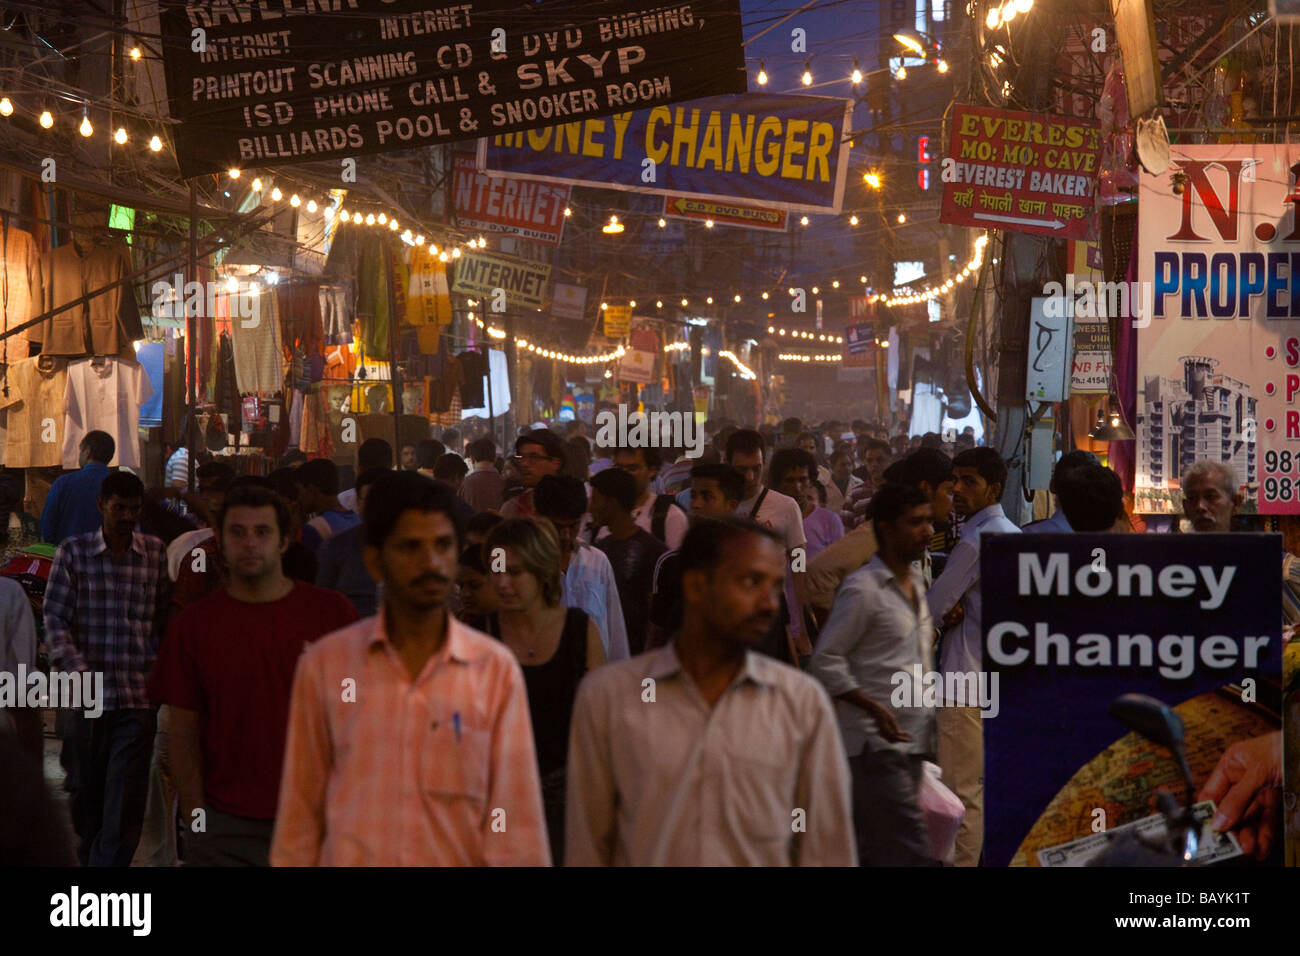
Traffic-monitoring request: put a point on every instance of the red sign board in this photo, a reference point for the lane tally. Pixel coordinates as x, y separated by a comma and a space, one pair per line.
1025, 172
519, 207
725, 213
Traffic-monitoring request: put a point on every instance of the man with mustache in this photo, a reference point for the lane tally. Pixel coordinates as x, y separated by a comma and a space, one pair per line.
409, 739
704, 752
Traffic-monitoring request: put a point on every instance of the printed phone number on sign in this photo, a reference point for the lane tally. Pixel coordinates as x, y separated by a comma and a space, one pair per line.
1279, 482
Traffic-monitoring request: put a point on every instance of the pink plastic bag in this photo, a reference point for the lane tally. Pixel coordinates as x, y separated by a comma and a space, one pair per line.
943, 812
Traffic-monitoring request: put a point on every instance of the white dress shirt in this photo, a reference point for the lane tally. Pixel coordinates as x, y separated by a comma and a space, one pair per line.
589, 583
674, 782
962, 650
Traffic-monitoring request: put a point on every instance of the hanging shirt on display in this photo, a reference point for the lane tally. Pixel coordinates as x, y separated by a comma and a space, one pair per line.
428, 301
105, 324
20, 289
256, 344
473, 369
105, 395
40, 384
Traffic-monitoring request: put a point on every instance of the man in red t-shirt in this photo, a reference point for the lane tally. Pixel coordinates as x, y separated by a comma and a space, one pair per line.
225, 672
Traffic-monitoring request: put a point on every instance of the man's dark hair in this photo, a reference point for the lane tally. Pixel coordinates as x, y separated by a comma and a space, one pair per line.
451, 438
396, 492
483, 522
791, 426
218, 471
123, 484
552, 445
292, 457
841, 453
745, 441
374, 453
428, 452
369, 477
651, 456
730, 481
282, 481
987, 462
449, 467
1073, 459
560, 496
925, 464
321, 474
931, 440
617, 485
875, 444
893, 501
483, 449
100, 445
247, 494
786, 460
472, 559
1091, 497
709, 539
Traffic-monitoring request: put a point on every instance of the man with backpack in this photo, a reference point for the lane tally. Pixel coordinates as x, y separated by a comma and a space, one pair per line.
660, 515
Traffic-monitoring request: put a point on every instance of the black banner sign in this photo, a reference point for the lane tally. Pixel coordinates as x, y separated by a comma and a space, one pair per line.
269, 82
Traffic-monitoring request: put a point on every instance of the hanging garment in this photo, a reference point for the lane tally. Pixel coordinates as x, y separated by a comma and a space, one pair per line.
36, 421
105, 394
473, 367
428, 301
445, 387
337, 313
372, 299
106, 324
429, 338
299, 307
257, 350
20, 289
315, 440
225, 390
295, 420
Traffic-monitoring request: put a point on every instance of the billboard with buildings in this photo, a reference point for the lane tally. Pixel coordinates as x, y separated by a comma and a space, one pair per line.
1217, 309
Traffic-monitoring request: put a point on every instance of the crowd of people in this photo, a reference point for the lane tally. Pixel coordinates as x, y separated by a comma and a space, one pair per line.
574, 654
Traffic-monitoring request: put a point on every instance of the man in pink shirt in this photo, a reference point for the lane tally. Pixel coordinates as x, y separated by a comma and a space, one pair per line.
409, 737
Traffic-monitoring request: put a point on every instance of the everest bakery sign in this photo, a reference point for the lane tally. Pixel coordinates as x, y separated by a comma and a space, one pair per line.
1026, 172
268, 82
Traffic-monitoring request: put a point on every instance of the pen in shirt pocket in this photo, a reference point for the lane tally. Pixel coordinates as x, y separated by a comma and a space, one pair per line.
455, 722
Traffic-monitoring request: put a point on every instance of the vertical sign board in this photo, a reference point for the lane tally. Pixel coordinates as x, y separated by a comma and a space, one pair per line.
860, 346
1070, 623
277, 81
1217, 311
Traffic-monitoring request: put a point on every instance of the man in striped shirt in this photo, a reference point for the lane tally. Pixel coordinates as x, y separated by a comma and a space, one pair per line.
103, 602
409, 737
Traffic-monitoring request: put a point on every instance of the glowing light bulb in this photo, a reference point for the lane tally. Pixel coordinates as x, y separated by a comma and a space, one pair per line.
631, 303
1008, 12
737, 298
765, 296
684, 302
419, 240
762, 74
46, 119
568, 211
708, 224
382, 218
135, 53
345, 216
392, 225
442, 256
294, 201
370, 219
155, 144
993, 19
662, 223
232, 284
835, 284
902, 218
659, 304
85, 129
1024, 6
120, 136
803, 220
902, 73
856, 75
6, 107
257, 185
311, 205
276, 195
455, 253
806, 79
328, 212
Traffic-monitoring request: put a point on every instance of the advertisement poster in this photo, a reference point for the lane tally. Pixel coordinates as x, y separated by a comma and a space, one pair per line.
265, 84
1218, 325
785, 151
726, 214
618, 321
1026, 172
568, 301
513, 206
1092, 345
1072, 622
860, 346
482, 274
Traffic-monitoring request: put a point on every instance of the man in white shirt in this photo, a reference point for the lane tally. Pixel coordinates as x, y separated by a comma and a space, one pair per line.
705, 752
772, 510
666, 521
979, 475
878, 633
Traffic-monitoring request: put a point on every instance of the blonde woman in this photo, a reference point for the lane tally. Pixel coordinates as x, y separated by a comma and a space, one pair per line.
555, 645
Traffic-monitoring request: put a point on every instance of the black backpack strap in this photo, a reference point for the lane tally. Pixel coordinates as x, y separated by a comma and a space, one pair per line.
577, 640
659, 518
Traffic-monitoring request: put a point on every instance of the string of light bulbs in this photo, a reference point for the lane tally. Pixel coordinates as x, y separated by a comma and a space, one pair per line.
745, 371
809, 357
933, 292
557, 354
808, 336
